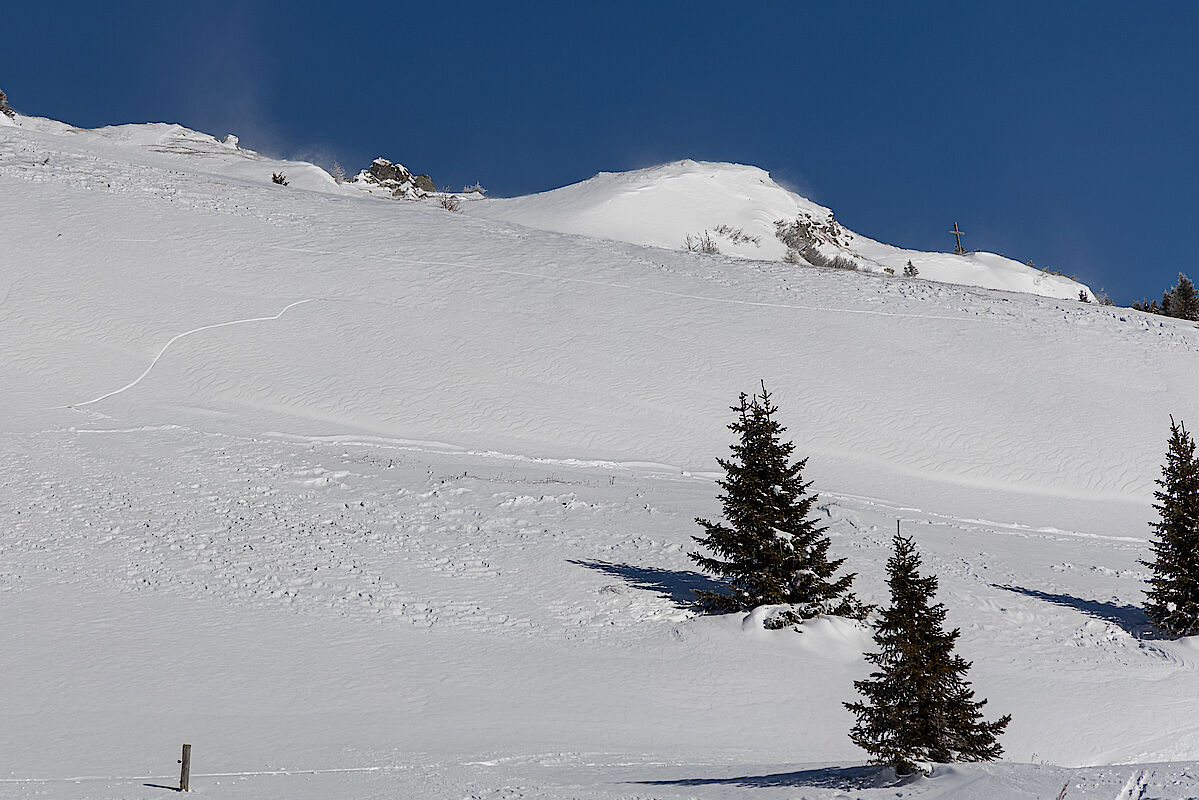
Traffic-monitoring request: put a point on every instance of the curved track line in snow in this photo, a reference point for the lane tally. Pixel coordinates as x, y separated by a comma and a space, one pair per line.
626, 287
167, 346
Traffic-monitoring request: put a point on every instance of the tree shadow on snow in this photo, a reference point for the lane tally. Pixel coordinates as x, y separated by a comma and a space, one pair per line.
676, 586
163, 786
1128, 617
843, 778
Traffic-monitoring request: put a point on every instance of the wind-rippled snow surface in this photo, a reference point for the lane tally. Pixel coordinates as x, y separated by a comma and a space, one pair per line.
364, 498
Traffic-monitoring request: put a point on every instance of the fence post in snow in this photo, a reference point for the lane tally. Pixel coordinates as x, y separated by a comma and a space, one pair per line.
185, 771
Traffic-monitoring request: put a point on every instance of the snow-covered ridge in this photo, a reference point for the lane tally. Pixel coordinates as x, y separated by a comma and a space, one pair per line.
179, 152
737, 207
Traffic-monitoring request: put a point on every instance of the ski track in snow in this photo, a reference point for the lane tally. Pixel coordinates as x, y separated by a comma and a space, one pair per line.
174, 339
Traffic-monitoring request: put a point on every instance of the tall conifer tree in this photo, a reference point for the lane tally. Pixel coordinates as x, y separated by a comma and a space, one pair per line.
1184, 303
918, 705
770, 551
1172, 601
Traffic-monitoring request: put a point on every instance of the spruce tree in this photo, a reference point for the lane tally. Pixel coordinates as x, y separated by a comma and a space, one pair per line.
1184, 303
1172, 601
770, 551
919, 706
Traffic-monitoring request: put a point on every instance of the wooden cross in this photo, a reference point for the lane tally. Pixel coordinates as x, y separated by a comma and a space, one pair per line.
957, 235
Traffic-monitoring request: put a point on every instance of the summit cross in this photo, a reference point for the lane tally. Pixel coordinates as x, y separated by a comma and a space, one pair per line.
957, 235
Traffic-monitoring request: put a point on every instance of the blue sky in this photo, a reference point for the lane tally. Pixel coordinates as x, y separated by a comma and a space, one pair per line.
1063, 134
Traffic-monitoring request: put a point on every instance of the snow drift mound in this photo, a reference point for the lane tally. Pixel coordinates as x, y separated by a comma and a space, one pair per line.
177, 149
733, 208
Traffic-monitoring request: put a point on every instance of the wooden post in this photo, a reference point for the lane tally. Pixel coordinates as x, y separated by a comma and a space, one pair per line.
185, 771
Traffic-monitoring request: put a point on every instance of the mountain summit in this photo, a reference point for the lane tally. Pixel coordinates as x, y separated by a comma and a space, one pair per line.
734, 209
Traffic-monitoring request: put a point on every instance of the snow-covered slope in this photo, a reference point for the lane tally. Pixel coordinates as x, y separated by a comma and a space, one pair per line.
362, 497
662, 206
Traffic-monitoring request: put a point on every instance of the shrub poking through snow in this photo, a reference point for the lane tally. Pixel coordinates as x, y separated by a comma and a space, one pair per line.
1083, 297
919, 708
450, 202
1172, 601
737, 235
4, 109
770, 552
700, 244
279, 178
816, 258
910, 270
703, 243
803, 238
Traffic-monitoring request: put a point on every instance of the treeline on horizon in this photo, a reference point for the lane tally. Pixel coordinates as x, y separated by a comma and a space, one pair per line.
1180, 302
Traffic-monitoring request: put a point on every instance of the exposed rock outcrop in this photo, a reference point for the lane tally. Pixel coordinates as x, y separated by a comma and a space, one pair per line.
4, 109
395, 178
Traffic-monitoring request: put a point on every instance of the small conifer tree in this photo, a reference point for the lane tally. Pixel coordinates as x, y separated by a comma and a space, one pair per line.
910, 270
1172, 601
4, 109
770, 551
918, 705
